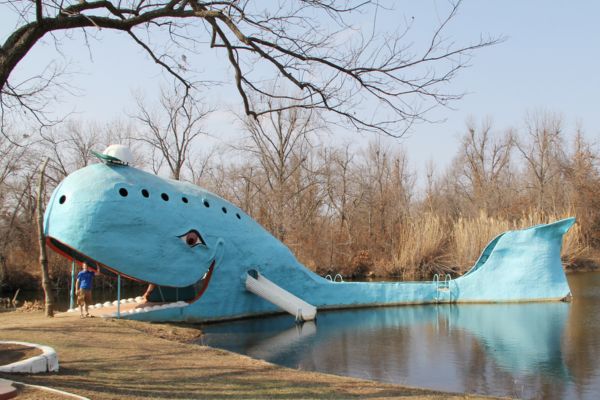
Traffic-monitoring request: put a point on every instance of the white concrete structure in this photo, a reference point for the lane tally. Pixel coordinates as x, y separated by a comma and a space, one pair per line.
46, 362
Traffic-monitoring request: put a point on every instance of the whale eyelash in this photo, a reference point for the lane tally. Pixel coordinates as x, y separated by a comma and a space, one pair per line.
192, 238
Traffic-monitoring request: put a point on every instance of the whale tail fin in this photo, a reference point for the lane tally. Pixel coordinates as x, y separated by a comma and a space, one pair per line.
521, 265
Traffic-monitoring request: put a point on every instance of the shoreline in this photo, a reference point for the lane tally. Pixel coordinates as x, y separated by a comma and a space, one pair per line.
108, 358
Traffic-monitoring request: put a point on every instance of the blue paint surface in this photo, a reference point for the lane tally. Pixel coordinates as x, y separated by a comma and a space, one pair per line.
134, 223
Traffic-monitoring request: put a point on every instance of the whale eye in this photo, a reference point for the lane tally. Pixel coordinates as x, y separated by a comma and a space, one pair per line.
192, 238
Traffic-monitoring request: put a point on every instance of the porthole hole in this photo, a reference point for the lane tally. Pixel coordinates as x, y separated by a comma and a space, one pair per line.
62, 199
123, 192
238, 216
184, 199
224, 210
206, 203
164, 196
145, 193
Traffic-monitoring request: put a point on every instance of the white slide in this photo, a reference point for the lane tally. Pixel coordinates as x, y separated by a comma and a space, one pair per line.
264, 288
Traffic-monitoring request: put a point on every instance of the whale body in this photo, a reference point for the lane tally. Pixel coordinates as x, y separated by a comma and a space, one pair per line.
199, 249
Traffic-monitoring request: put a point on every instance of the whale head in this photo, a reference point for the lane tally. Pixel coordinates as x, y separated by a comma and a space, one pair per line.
129, 222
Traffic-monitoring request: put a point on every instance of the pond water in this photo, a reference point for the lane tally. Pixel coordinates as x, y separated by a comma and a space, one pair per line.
530, 351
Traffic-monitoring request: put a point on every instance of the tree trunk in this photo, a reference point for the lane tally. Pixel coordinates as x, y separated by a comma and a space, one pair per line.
42, 240
16, 47
3, 274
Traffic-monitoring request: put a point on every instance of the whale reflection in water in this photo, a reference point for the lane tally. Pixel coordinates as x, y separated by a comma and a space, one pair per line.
493, 349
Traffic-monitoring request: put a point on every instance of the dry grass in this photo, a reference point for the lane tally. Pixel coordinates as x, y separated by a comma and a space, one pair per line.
575, 249
422, 247
31, 393
471, 235
428, 244
108, 359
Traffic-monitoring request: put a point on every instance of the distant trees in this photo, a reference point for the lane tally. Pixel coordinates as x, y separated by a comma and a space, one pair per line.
15, 185
485, 167
581, 186
170, 130
346, 208
542, 151
280, 143
67, 151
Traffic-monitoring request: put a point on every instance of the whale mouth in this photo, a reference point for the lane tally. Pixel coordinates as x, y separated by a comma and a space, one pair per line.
194, 292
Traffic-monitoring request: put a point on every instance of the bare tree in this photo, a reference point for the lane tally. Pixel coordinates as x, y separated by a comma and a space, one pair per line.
15, 179
541, 148
245, 183
485, 165
303, 43
171, 131
280, 143
338, 181
384, 193
582, 186
49, 301
70, 145
200, 164
10, 154
338, 186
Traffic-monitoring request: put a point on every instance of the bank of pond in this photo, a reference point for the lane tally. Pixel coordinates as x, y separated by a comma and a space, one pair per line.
525, 350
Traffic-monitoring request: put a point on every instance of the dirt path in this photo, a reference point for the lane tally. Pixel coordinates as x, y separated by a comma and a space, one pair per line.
108, 359
10, 353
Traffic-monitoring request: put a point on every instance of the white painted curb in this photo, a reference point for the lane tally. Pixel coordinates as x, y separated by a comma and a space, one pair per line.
46, 362
48, 389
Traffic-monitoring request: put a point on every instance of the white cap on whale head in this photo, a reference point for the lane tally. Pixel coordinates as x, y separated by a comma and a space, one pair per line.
120, 153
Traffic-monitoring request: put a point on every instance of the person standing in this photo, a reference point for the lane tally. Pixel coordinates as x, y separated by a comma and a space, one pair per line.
83, 286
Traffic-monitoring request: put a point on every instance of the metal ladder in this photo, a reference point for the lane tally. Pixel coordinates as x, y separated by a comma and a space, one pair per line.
442, 287
328, 277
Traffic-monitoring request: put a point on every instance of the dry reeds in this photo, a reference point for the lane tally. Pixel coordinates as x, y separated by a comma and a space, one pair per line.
429, 244
471, 235
422, 249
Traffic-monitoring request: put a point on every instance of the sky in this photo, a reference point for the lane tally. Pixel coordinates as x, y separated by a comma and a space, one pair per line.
549, 60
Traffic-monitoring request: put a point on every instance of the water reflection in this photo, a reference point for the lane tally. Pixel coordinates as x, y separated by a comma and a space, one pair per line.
537, 350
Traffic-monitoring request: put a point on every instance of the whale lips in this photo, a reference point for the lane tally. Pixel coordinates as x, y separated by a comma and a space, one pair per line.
199, 287
202, 284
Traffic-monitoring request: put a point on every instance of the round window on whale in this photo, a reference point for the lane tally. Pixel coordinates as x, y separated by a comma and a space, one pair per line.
206, 203
164, 196
238, 215
123, 192
145, 193
184, 199
224, 210
62, 199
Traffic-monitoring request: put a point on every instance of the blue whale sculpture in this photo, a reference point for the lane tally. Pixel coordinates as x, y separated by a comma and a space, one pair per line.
200, 251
